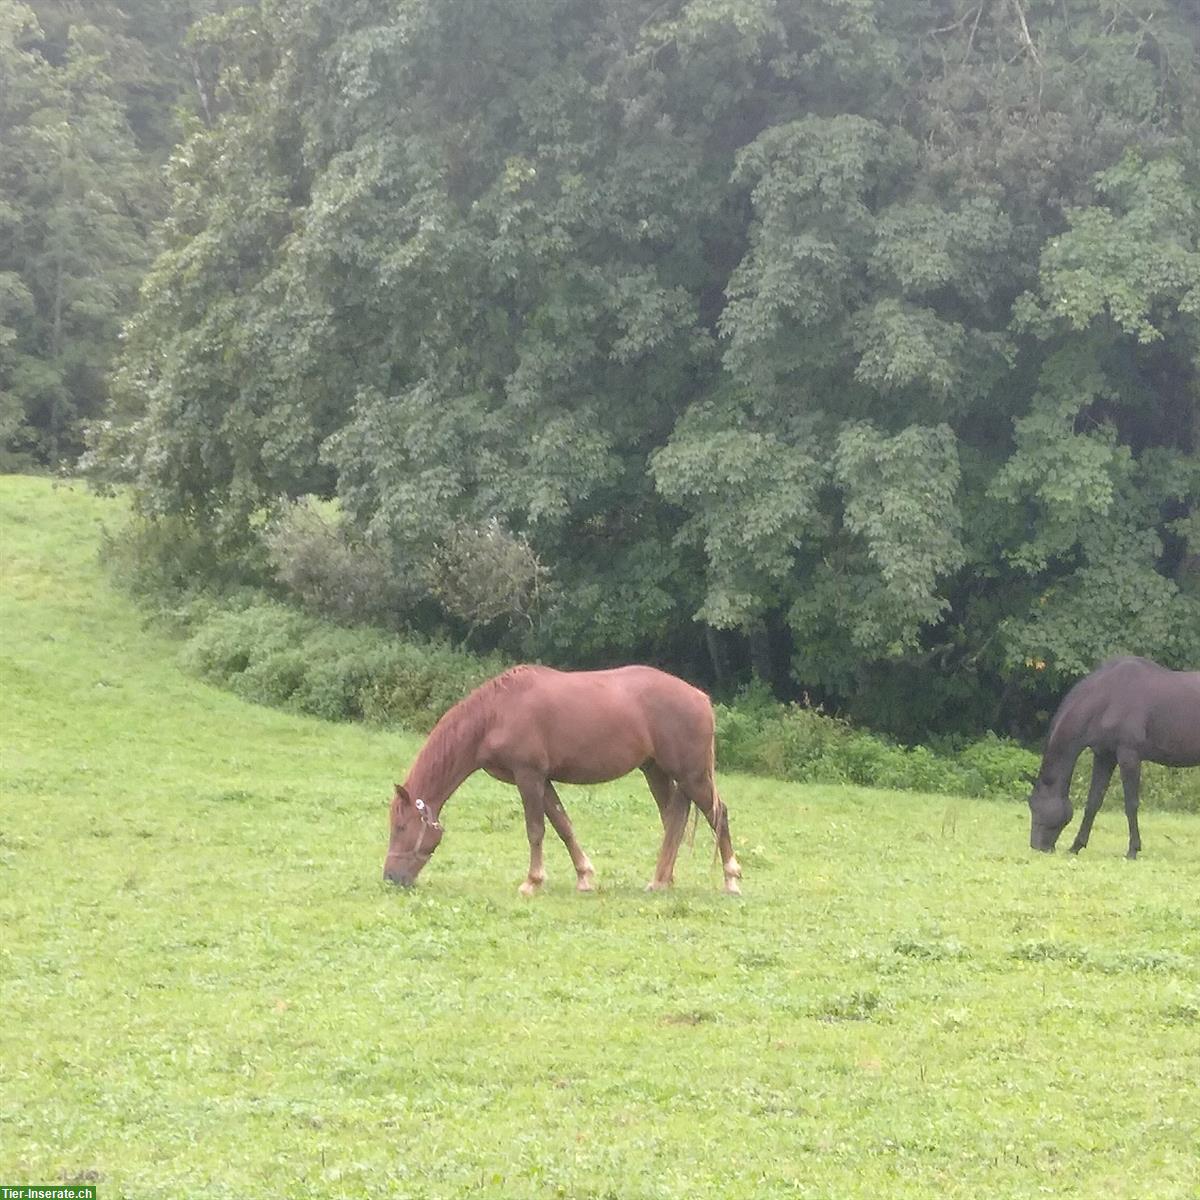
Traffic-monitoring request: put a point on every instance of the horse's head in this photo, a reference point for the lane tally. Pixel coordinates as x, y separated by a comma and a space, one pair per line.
415, 834
1050, 812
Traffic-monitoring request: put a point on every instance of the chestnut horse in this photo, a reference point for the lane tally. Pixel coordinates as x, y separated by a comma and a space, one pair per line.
534, 727
1129, 711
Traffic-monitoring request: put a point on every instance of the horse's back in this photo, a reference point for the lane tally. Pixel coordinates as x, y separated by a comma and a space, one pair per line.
625, 695
589, 725
627, 687
1138, 704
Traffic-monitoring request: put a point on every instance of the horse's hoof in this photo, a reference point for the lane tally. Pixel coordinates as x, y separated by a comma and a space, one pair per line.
530, 888
585, 884
732, 888
655, 886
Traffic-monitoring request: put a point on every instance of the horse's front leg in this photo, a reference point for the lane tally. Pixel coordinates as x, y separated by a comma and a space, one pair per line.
1131, 781
533, 789
584, 871
1103, 766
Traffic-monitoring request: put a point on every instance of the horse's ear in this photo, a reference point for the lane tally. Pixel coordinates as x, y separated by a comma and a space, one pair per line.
402, 794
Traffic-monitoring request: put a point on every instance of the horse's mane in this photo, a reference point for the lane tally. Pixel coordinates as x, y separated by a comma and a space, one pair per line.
464, 723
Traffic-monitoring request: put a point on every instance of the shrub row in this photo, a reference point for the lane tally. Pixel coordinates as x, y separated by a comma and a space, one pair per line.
809, 746
762, 737
272, 654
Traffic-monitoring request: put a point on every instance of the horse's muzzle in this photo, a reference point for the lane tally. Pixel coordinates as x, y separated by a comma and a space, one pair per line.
1044, 837
403, 869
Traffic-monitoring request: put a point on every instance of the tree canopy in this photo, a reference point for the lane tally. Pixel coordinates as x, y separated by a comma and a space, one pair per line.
854, 341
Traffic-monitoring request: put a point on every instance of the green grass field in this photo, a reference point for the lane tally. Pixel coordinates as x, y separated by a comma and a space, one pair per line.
207, 990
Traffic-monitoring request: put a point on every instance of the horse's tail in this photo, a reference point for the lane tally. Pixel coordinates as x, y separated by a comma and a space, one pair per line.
718, 813
720, 817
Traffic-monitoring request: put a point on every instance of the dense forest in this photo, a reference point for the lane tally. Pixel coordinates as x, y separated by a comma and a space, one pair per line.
849, 344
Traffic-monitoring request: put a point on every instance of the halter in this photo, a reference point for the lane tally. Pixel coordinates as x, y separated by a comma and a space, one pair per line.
427, 822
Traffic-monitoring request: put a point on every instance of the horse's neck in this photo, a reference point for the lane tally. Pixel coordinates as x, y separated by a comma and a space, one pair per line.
449, 755
1063, 748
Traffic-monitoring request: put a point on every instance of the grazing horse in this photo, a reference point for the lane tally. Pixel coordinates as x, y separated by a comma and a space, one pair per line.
534, 727
1127, 710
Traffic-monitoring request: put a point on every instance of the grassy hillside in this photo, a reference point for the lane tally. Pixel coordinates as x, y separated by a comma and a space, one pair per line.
207, 991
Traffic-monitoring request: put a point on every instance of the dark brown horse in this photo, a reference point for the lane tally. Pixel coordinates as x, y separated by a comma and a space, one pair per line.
1128, 710
534, 727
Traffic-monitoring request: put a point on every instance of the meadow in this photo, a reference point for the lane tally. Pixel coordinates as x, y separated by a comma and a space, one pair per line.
207, 990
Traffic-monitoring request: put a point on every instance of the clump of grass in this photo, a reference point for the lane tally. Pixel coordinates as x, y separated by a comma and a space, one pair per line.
856, 1005
929, 949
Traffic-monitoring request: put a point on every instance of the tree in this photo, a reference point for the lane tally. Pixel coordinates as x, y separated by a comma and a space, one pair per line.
75, 222
1109, 454
861, 333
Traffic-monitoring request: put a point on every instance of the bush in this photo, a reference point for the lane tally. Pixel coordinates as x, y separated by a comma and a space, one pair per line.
920, 770
786, 741
227, 643
270, 654
484, 575
1163, 787
997, 767
160, 561
315, 558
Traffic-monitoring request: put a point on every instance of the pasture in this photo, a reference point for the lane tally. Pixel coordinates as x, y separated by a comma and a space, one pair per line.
207, 990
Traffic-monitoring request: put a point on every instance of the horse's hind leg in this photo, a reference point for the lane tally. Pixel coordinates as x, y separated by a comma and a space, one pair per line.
673, 808
584, 870
1131, 780
1103, 766
703, 793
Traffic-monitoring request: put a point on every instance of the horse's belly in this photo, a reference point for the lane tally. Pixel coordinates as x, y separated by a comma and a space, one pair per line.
1177, 755
1174, 738
603, 755
582, 775
598, 764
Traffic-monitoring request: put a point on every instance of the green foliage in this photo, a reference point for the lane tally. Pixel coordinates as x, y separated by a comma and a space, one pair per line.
783, 742
1124, 275
900, 502
804, 744
1002, 767
752, 497
270, 654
